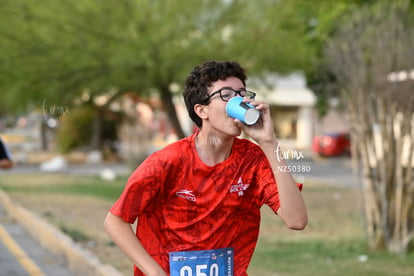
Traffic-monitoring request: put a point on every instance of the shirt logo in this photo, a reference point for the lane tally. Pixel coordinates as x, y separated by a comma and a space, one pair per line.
239, 187
186, 194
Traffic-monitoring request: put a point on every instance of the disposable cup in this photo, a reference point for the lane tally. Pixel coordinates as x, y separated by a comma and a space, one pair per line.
245, 112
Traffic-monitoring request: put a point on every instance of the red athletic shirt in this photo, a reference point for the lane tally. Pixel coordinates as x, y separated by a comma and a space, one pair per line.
183, 205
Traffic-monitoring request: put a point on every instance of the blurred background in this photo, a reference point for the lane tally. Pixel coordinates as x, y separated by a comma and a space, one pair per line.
90, 88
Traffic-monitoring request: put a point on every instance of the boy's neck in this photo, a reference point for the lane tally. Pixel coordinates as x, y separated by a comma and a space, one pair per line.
213, 148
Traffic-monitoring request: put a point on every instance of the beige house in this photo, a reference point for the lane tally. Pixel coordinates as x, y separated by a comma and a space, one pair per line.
292, 105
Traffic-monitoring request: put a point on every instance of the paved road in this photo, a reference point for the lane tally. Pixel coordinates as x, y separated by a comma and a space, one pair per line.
21, 255
333, 170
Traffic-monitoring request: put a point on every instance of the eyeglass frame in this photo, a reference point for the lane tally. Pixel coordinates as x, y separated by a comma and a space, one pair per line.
238, 92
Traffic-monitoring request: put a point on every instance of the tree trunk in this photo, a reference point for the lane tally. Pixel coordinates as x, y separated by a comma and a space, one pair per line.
43, 134
96, 140
387, 162
97, 125
167, 99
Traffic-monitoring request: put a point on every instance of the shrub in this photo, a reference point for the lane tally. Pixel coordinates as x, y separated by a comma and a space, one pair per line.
75, 129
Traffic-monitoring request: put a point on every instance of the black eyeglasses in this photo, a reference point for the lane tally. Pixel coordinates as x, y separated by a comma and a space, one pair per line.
227, 93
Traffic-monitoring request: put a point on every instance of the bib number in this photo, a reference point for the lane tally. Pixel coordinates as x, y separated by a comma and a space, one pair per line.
201, 270
216, 262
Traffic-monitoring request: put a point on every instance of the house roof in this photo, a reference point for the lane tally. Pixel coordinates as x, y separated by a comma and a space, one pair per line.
289, 97
289, 90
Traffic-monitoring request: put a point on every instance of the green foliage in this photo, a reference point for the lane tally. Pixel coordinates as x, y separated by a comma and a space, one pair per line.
74, 130
57, 49
60, 48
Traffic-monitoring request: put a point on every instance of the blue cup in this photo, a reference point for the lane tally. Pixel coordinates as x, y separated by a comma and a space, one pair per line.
245, 112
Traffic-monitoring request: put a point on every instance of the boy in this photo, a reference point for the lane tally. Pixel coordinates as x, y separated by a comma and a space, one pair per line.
205, 191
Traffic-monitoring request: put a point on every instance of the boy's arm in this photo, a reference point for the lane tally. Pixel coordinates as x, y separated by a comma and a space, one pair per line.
292, 209
124, 237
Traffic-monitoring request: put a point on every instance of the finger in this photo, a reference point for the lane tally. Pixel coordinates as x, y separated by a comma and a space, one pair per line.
251, 101
239, 123
262, 106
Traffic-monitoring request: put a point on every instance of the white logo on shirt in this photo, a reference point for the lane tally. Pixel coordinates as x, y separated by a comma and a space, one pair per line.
239, 187
186, 194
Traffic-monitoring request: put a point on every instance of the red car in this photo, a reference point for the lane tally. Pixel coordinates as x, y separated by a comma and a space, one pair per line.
332, 144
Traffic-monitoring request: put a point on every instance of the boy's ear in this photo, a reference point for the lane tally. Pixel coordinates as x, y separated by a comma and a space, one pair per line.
201, 111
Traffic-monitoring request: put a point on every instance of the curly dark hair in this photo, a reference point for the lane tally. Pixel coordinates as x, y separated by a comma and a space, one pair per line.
201, 78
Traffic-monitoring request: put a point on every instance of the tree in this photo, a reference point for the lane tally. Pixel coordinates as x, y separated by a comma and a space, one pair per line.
59, 50
363, 56
94, 47
63, 50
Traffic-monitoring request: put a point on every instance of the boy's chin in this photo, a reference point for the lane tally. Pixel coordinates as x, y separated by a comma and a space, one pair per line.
236, 131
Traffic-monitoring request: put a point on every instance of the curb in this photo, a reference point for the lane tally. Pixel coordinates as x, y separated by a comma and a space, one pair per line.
80, 261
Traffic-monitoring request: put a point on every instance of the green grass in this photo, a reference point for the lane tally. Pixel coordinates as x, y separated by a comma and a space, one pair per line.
321, 257
93, 186
331, 244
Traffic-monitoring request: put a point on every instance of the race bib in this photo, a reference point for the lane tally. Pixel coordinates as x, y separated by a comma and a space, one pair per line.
216, 262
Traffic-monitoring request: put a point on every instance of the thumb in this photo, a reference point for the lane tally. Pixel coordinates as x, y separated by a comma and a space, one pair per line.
239, 123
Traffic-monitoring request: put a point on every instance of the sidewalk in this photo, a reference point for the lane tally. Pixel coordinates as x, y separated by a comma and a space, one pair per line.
78, 260
21, 254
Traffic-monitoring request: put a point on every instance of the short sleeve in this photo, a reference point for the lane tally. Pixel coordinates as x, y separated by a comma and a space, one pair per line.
142, 187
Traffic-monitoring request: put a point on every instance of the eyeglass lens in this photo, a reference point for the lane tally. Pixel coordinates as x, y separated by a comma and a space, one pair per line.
227, 94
